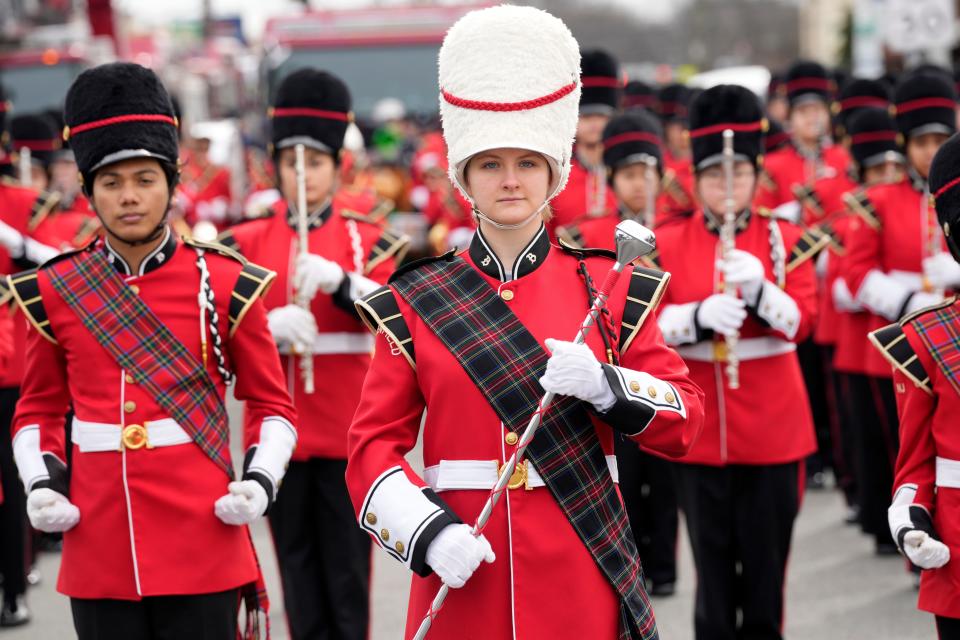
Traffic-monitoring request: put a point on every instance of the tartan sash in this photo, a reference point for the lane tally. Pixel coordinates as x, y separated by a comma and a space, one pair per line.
940, 331
145, 348
505, 361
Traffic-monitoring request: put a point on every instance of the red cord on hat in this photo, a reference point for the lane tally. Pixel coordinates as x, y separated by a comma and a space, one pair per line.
601, 81
925, 103
37, 145
631, 136
738, 127
863, 101
106, 122
873, 136
484, 105
946, 187
817, 84
305, 112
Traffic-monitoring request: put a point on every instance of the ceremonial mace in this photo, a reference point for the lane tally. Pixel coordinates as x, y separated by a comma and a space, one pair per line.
306, 358
633, 241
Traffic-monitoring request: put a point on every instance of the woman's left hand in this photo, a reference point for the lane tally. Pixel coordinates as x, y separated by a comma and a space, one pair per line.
573, 370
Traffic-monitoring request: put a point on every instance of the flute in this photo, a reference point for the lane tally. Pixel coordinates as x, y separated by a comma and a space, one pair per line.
306, 357
25, 168
728, 232
650, 214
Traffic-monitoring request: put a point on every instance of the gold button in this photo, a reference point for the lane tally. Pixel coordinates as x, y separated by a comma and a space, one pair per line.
651, 392
371, 518
384, 535
507, 295
135, 289
399, 547
129, 379
669, 397
129, 406
512, 438
635, 386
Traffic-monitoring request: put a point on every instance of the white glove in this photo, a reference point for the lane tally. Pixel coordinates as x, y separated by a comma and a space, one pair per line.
11, 239
743, 270
455, 554
246, 502
293, 326
922, 299
573, 370
823, 263
942, 271
843, 300
924, 551
316, 273
50, 511
722, 313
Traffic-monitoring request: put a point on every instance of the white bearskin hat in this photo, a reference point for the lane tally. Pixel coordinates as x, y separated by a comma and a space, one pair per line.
509, 78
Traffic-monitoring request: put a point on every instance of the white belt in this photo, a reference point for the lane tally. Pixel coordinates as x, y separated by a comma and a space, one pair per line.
948, 473
747, 349
343, 342
100, 436
482, 474
910, 279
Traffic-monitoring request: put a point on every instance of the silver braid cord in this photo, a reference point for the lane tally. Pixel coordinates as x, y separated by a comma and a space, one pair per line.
214, 325
778, 254
356, 244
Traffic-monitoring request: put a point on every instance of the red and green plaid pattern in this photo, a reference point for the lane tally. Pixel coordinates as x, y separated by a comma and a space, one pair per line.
940, 331
145, 348
505, 361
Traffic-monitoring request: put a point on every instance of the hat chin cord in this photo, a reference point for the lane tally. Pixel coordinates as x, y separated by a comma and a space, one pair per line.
156, 233
508, 227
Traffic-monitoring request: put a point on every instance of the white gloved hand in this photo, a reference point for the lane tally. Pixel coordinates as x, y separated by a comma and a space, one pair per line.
316, 273
50, 511
942, 271
456, 553
573, 370
292, 326
743, 270
722, 313
246, 501
922, 299
924, 551
843, 300
11, 240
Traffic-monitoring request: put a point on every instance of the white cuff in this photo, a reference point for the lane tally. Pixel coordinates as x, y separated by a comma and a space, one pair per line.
678, 323
36, 252
883, 295
361, 286
898, 514
277, 441
29, 458
778, 309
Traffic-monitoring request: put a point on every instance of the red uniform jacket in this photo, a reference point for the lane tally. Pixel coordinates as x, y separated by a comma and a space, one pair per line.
147, 525
342, 353
207, 193
540, 560
587, 194
767, 420
850, 345
676, 189
786, 169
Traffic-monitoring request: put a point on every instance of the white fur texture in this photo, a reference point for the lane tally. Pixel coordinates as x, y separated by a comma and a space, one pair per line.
510, 54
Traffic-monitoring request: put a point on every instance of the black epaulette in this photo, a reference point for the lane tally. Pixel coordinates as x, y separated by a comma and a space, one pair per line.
26, 290
808, 197
6, 295
415, 264
858, 202
380, 210
253, 282
350, 214
812, 241
216, 247
228, 240
87, 232
387, 245
380, 312
570, 236
651, 260
671, 185
584, 252
647, 287
894, 346
45, 202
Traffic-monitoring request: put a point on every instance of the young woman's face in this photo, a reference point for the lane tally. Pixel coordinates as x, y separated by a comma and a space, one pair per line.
508, 185
885, 172
632, 183
809, 121
921, 149
712, 188
319, 172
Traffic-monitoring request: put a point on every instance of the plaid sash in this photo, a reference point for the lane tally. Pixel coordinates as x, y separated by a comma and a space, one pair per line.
940, 331
505, 362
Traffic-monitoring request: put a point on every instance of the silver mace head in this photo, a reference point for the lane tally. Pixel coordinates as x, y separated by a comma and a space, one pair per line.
633, 241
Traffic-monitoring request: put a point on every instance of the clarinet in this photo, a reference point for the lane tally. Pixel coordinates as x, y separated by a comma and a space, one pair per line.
728, 232
650, 214
306, 357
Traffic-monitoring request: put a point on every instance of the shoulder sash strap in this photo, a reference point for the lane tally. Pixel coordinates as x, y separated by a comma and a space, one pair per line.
145, 348
672, 186
505, 360
811, 242
647, 287
26, 290
387, 245
45, 203
939, 328
808, 197
859, 203
379, 311
893, 345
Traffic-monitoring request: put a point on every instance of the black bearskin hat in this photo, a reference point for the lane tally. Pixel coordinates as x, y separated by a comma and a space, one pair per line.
945, 190
925, 102
639, 94
874, 137
119, 111
673, 103
601, 81
39, 134
777, 87
312, 108
807, 81
776, 136
722, 107
858, 94
631, 138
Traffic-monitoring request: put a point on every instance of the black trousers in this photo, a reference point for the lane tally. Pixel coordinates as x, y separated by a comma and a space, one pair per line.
879, 442
812, 366
740, 520
323, 554
208, 616
13, 511
647, 485
849, 475
948, 628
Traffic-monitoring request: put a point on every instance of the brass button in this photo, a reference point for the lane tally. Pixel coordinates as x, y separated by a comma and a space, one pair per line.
135, 289
669, 397
507, 295
371, 518
384, 535
129, 406
128, 379
635, 386
652, 392
399, 547
512, 438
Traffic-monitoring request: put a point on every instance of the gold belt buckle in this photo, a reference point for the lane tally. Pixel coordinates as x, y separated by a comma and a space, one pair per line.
720, 351
519, 477
134, 436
